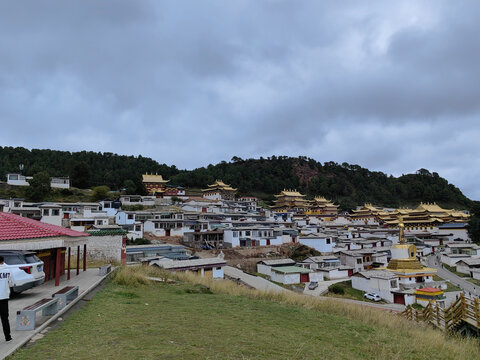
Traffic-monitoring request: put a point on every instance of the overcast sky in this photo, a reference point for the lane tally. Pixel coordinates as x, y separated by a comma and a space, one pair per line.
389, 85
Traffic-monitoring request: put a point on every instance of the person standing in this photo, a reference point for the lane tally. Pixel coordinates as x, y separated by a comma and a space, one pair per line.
4, 296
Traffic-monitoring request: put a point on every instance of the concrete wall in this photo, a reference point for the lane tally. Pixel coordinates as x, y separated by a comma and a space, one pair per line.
264, 269
285, 278
102, 247
319, 244
379, 286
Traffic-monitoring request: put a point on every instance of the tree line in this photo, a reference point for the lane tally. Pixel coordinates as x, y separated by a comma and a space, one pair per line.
346, 184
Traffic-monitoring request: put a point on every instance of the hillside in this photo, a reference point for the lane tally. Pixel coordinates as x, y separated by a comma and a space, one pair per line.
223, 320
347, 185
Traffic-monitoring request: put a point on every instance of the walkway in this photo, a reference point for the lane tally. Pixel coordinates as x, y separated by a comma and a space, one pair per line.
256, 282
86, 281
470, 289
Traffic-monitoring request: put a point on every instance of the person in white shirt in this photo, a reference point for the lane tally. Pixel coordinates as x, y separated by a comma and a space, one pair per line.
4, 296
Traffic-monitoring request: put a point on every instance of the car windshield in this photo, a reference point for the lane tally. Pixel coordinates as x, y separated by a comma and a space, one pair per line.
32, 258
14, 259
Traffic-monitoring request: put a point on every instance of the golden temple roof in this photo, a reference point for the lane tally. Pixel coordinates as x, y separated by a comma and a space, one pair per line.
150, 178
289, 193
219, 184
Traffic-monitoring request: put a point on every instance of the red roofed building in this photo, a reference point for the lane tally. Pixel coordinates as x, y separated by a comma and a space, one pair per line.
50, 242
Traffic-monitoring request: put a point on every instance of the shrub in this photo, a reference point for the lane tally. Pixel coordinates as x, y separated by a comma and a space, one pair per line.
336, 289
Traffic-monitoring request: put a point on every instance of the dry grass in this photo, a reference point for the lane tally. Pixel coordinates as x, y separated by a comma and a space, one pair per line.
185, 320
417, 334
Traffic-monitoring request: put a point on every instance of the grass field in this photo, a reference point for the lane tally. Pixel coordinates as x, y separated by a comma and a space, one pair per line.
185, 320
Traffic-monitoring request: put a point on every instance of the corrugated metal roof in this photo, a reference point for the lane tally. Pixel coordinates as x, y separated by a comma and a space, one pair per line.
14, 227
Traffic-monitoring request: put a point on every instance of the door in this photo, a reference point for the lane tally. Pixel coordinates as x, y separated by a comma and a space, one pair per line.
304, 278
399, 299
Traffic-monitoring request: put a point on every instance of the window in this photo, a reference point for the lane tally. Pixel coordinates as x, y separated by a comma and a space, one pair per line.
218, 268
157, 225
247, 233
13, 177
138, 228
45, 212
99, 222
130, 216
328, 241
359, 261
235, 234
393, 283
55, 212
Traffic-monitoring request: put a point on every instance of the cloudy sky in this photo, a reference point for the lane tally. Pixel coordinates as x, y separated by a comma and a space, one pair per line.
389, 85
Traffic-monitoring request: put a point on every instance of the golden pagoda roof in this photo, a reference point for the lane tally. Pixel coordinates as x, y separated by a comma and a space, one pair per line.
219, 184
431, 208
150, 178
289, 193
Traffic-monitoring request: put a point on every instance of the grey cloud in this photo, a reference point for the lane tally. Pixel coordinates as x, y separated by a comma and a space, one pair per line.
192, 83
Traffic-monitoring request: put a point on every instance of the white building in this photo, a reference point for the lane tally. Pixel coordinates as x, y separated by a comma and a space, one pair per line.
319, 242
209, 267
292, 275
381, 282
18, 179
265, 266
60, 182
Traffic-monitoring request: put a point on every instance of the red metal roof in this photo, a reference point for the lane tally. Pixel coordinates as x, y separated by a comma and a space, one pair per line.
13, 227
429, 289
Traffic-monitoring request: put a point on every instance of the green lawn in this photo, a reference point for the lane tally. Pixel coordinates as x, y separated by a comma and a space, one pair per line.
474, 281
185, 321
453, 269
450, 286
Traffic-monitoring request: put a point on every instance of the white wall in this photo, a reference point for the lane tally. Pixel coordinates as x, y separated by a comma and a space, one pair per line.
319, 244
229, 238
217, 274
264, 269
285, 278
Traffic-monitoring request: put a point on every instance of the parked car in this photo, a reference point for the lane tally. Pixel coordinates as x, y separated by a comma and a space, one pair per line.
27, 269
313, 285
372, 296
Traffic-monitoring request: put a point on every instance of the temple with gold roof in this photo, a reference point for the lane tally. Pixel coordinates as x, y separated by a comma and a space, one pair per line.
425, 217
290, 200
322, 207
154, 184
366, 213
219, 191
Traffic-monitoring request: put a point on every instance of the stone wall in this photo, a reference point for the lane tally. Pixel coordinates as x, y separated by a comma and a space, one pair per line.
102, 247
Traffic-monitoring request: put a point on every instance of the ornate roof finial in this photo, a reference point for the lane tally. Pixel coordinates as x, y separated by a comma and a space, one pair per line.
401, 233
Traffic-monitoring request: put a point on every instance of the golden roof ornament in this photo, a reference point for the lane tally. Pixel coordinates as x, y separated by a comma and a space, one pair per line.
401, 234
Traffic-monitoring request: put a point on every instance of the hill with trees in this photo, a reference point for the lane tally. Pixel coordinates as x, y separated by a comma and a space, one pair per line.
346, 184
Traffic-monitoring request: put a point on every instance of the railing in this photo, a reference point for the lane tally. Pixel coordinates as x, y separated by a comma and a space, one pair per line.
462, 310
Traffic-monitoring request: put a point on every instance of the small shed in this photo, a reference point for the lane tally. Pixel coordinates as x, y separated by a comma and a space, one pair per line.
290, 275
265, 266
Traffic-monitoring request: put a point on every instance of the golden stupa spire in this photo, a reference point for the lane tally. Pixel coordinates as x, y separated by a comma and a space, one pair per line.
401, 234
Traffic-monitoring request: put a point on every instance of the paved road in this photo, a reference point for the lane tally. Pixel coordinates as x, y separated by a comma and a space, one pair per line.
469, 288
256, 282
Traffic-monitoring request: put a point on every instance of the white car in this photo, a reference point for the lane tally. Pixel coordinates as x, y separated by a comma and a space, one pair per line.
26, 269
372, 296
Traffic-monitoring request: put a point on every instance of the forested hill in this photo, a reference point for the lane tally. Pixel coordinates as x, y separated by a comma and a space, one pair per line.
347, 185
